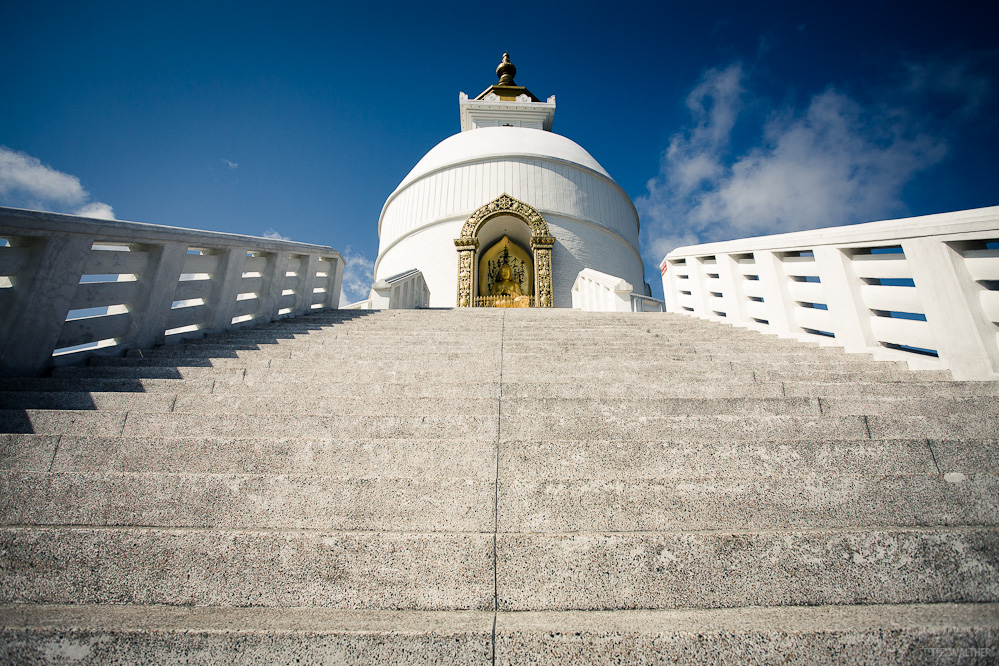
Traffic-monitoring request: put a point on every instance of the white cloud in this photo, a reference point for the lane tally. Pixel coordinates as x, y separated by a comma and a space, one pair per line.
27, 183
274, 235
23, 174
231, 165
835, 161
358, 276
96, 209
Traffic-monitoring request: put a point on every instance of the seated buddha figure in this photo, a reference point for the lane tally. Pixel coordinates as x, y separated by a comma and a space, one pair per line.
504, 285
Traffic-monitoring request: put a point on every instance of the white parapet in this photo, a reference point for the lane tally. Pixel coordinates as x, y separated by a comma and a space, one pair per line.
403, 291
594, 291
922, 289
71, 286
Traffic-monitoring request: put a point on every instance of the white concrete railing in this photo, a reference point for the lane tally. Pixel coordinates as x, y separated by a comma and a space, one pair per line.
923, 289
405, 291
594, 291
71, 287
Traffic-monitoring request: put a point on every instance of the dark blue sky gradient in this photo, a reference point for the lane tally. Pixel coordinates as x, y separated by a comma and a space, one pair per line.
326, 107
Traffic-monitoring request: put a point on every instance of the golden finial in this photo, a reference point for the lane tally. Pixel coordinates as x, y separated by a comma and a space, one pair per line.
506, 71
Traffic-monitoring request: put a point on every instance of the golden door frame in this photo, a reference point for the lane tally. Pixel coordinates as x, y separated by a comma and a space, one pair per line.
541, 246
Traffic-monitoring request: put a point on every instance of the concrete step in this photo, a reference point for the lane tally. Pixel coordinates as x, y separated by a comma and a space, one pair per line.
463, 504
624, 570
519, 460
150, 424
334, 458
106, 384
271, 568
695, 460
104, 634
454, 571
821, 635
248, 501
520, 421
805, 501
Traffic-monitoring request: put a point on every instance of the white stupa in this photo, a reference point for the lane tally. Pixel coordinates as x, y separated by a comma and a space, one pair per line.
506, 190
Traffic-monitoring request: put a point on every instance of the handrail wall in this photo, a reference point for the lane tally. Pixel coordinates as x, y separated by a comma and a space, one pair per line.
594, 291
924, 289
406, 291
71, 287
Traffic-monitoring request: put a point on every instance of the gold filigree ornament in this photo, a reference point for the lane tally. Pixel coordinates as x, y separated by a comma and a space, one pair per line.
467, 244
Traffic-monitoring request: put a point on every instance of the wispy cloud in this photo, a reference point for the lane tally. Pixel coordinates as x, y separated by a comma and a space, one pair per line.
96, 209
231, 165
832, 161
27, 183
273, 234
358, 276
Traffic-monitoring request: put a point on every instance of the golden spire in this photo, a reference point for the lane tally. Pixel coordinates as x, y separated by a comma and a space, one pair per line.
505, 88
506, 71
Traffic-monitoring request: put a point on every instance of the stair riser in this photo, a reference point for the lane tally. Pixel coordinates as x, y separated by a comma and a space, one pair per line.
704, 570
247, 502
466, 505
257, 568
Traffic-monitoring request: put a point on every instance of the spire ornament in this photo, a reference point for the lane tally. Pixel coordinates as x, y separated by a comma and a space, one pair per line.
506, 71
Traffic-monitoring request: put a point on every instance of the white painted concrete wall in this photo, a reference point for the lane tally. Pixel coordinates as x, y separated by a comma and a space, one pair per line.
67, 281
887, 288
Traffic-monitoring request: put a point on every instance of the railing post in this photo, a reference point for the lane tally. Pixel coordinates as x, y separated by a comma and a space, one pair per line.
273, 285
776, 299
44, 294
733, 294
336, 284
851, 320
950, 302
306, 283
698, 290
670, 289
227, 279
151, 309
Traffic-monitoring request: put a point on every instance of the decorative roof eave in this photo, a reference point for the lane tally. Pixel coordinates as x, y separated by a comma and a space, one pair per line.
543, 110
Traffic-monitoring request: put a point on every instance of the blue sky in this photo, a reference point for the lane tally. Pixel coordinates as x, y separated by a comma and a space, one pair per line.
720, 120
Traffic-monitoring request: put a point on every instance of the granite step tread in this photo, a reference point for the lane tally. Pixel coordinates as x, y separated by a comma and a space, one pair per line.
466, 504
271, 568
543, 459
454, 571
516, 424
821, 635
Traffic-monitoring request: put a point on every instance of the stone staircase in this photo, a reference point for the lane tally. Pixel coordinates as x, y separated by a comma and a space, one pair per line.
498, 487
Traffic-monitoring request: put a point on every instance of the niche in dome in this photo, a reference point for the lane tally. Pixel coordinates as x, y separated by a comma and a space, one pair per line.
506, 273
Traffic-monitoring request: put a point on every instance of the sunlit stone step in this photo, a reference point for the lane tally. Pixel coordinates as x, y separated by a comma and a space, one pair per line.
821, 635
151, 424
622, 570
134, 634
248, 501
273, 568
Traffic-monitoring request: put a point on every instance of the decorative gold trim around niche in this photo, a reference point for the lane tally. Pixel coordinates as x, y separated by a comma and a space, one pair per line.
541, 245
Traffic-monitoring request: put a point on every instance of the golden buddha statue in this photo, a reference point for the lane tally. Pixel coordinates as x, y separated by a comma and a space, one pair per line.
504, 285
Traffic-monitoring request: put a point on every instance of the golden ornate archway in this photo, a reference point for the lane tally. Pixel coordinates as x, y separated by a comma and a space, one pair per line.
541, 245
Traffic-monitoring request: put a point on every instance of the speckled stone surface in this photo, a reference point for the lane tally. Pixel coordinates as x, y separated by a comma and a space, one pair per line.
600, 571
383, 570
622, 488
176, 635
868, 635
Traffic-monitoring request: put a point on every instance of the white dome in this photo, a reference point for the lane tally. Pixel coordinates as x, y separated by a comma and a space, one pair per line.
495, 142
594, 223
